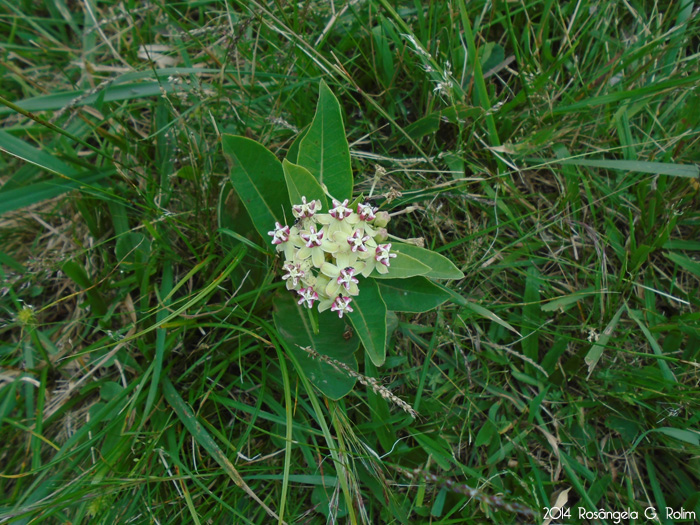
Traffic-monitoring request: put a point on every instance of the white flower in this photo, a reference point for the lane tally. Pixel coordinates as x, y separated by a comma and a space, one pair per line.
306, 210
339, 218
357, 241
281, 237
346, 279
316, 247
340, 210
382, 254
339, 278
366, 212
326, 252
380, 261
313, 238
280, 234
293, 275
308, 296
341, 305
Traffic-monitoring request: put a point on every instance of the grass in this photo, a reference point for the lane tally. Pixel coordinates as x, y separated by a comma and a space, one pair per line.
548, 148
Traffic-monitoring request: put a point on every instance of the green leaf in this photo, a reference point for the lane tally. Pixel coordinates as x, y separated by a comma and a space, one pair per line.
28, 153
258, 178
415, 294
40, 191
596, 351
301, 183
121, 89
567, 300
491, 55
231, 215
656, 168
201, 436
16, 196
294, 326
402, 267
689, 436
78, 274
369, 319
324, 150
684, 262
663, 365
440, 267
293, 151
132, 248
488, 314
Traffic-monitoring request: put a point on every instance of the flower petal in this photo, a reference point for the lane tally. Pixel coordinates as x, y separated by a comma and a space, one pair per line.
344, 259
330, 269
325, 304
317, 256
289, 250
332, 288
329, 247
369, 266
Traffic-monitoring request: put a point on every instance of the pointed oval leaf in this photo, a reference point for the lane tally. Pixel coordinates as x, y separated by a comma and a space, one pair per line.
293, 151
369, 320
258, 178
231, 215
402, 267
440, 267
414, 295
294, 326
324, 150
300, 183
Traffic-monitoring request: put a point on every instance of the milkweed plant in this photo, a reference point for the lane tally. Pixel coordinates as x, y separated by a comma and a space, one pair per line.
344, 274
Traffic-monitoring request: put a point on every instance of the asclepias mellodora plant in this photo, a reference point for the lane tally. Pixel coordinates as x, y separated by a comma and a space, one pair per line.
337, 258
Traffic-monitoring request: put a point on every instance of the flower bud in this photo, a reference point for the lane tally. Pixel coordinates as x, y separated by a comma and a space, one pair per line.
382, 219
382, 235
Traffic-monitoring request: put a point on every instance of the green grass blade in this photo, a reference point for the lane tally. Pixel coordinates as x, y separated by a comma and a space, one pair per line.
185, 414
638, 166
663, 365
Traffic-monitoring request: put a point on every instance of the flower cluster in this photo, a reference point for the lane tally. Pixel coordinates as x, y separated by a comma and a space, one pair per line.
325, 252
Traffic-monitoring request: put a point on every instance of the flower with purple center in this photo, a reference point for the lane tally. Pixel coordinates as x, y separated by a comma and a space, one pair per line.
382, 254
340, 280
293, 274
316, 246
340, 210
280, 234
357, 241
341, 305
308, 296
313, 238
306, 210
346, 278
366, 212
380, 262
